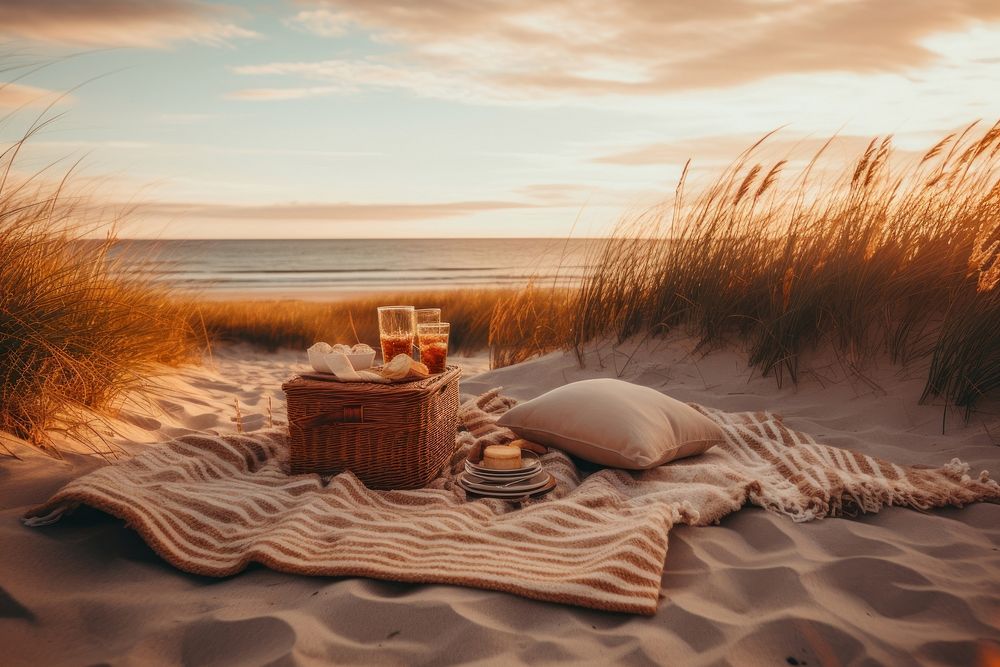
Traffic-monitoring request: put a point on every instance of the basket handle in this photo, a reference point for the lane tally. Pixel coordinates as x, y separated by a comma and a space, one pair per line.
444, 386
351, 414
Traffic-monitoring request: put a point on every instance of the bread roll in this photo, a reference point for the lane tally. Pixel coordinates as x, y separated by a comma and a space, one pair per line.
521, 443
502, 457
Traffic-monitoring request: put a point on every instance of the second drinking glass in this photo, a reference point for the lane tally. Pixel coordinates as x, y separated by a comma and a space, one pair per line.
433, 337
425, 316
428, 315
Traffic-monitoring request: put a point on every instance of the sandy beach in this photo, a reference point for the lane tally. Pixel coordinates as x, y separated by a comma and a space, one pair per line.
898, 587
778, 221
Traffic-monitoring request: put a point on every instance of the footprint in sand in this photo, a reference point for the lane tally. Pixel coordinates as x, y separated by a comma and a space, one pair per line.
142, 421
202, 422
261, 641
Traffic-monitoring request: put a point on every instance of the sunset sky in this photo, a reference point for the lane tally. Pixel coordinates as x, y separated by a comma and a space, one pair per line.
450, 118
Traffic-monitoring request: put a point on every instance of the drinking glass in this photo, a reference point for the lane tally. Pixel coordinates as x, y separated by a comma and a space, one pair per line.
433, 337
425, 315
396, 325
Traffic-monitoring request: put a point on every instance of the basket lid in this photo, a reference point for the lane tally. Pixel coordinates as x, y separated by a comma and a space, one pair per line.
414, 387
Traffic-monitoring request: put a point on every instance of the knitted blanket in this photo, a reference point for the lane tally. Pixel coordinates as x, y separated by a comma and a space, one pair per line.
212, 504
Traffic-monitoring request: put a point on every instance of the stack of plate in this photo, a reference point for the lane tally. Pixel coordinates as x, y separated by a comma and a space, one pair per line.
527, 481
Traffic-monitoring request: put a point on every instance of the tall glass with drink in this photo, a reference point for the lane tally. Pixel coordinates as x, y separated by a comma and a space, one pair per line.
396, 328
428, 315
433, 341
425, 316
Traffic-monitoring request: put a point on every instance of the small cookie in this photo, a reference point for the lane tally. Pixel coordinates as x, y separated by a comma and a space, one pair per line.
521, 443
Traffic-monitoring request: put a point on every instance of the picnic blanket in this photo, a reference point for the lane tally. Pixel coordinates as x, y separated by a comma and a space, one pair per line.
213, 504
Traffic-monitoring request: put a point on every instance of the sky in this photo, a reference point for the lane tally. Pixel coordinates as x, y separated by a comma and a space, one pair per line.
454, 118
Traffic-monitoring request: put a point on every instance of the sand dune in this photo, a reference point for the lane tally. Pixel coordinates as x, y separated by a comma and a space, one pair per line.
898, 587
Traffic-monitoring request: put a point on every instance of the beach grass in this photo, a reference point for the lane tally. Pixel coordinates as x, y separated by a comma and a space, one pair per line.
885, 258
298, 324
889, 256
76, 334
514, 324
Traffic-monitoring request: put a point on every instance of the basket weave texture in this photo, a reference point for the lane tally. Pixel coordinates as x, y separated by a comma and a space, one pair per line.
395, 436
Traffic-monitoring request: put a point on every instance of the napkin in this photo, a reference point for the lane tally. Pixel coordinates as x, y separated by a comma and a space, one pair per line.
326, 359
341, 367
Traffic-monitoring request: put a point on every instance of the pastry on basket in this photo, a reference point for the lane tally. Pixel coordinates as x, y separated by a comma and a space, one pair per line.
329, 360
402, 367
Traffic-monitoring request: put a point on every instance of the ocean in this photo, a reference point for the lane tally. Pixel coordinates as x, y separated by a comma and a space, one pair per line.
317, 268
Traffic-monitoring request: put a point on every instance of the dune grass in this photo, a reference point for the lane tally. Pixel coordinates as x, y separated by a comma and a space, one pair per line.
514, 324
299, 324
889, 257
883, 257
531, 322
76, 336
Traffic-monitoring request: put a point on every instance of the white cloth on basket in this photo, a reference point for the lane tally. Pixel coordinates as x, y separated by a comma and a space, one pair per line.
342, 369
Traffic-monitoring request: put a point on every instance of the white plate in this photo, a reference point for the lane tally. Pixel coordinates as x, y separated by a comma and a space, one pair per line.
477, 483
525, 471
511, 495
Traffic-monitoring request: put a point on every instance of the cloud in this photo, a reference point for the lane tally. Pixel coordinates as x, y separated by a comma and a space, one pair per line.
559, 194
576, 195
343, 76
16, 95
320, 22
134, 23
268, 94
724, 149
189, 149
538, 49
183, 118
333, 212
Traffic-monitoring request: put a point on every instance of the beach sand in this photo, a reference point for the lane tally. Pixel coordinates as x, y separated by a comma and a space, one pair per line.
899, 587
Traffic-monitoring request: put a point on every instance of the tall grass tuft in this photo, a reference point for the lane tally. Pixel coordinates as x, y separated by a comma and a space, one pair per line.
76, 335
889, 257
299, 324
886, 257
528, 323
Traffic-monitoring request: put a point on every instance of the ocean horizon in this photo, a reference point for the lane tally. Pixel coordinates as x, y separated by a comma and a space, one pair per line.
282, 268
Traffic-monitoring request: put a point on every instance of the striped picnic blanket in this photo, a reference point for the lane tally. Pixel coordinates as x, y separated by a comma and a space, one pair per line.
212, 504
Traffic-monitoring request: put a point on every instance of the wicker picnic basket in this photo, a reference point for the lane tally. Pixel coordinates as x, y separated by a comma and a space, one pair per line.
392, 436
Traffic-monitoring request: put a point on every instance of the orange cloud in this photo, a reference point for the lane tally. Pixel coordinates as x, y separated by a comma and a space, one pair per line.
576, 195
533, 49
724, 149
341, 211
136, 23
16, 95
297, 93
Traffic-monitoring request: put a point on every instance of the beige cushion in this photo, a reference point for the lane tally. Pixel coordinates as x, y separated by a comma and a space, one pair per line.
614, 423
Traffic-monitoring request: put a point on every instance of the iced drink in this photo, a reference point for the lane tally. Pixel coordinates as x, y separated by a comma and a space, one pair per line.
394, 345
396, 327
424, 316
433, 339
